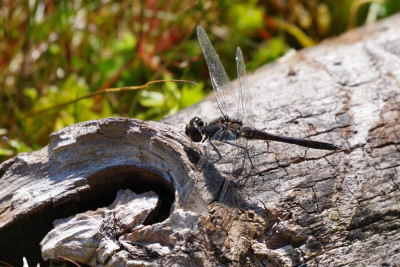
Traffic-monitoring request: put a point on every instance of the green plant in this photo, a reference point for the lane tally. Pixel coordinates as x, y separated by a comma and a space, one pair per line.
53, 52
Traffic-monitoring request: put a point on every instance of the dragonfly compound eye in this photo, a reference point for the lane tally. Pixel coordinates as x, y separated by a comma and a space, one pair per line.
193, 133
200, 123
194, 120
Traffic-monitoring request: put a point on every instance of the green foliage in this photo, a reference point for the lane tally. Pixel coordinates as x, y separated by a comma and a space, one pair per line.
246, 18
53, 52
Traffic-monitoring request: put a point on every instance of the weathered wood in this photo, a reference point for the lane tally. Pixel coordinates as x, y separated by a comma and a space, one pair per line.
304, 206
342, 208
82, 168
91, 237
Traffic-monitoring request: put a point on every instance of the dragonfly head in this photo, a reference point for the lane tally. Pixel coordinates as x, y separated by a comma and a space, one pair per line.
196, 129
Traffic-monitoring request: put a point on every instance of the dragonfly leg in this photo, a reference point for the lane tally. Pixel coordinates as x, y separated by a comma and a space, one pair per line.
217, 151
221, 135
247, 153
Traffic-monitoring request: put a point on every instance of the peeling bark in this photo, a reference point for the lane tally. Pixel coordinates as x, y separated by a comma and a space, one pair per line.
302, 206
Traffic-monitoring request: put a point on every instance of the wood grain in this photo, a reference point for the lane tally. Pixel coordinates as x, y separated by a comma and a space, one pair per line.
302, 206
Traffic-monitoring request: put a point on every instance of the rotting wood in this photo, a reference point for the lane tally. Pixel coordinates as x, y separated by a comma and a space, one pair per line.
313, 207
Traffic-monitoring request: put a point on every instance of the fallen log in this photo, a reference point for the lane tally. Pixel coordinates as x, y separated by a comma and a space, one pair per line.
302, 206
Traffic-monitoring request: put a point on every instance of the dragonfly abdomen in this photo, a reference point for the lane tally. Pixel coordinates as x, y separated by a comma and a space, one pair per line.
250, 133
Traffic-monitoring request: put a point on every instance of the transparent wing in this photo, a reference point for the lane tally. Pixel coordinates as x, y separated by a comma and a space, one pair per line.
245, 109
225, 150
224, 93
232, 164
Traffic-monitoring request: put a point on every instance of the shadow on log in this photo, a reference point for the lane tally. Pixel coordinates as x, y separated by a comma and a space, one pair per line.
303, 207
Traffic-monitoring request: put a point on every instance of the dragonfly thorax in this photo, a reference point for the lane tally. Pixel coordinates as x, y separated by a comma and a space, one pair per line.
198, 130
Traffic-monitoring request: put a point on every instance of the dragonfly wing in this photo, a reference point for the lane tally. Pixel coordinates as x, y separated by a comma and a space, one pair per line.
245, 109
233, 163
228, 152
219, 78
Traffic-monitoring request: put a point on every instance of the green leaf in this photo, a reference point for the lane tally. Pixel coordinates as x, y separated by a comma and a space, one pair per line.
266, 52
31, 93
127, 43
151, 99
246, 18
191, 95
6, 152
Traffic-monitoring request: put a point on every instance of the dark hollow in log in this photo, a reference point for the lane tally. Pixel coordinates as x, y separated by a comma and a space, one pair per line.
27, 232
130, 155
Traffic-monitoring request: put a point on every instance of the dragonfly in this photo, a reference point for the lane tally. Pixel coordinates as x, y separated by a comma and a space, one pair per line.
234, 126
226, 127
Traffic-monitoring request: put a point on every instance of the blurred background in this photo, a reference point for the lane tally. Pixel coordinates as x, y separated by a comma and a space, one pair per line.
52, 52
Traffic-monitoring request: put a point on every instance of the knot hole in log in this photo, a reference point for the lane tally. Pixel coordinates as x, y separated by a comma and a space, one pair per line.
105, 184
78, 176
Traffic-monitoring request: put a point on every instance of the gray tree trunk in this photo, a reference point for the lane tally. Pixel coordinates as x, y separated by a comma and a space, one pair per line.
300, 206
